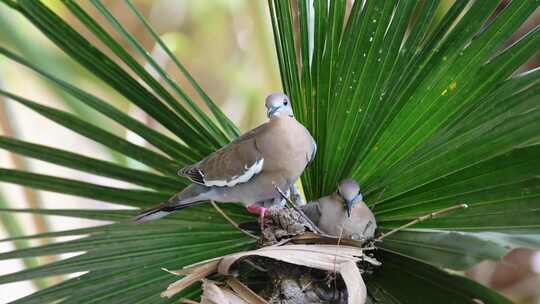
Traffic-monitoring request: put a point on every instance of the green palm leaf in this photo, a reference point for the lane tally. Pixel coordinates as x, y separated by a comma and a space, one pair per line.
425, 112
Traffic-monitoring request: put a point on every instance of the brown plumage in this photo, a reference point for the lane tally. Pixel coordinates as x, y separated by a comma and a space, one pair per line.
331, 215
248, 169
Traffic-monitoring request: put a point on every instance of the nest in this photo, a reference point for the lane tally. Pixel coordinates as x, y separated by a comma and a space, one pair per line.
292, 264
283, 224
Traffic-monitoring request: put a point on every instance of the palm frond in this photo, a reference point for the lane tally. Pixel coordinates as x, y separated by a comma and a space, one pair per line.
425, 112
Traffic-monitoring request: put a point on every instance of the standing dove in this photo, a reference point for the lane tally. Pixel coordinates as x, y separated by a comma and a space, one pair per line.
344, 209
248, 169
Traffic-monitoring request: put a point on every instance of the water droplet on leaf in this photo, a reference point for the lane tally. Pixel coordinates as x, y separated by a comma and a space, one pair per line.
453, 86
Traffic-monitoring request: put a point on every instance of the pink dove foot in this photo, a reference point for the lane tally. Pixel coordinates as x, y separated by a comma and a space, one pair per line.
261, 211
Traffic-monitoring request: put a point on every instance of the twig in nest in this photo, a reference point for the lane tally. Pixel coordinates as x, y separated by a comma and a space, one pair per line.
317, 230
334, 277
252, 264
421, 219
230, 220
245, 292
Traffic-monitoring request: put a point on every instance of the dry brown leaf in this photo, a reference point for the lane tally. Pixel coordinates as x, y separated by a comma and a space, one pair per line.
213, 294
335, 258
341, 259
192, 267
356, 288
316, 238
324, 257
244, 292
197, 274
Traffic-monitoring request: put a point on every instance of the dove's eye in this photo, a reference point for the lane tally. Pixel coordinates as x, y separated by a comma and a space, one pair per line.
286, 102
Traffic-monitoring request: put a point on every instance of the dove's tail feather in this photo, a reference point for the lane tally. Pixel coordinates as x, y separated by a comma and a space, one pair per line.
159, 212
190, 196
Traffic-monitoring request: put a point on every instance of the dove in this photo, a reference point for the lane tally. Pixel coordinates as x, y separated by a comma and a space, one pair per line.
249, 168
343, 209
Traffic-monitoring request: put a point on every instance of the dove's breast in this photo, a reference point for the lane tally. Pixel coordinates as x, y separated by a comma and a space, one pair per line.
291, 149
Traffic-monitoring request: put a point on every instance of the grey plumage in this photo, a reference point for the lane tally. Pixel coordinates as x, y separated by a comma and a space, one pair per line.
248, 169
331, 213
188, 197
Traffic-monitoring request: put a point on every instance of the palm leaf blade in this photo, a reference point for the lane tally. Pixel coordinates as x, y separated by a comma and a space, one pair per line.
140, 198
91, 165
99, 135
424, 112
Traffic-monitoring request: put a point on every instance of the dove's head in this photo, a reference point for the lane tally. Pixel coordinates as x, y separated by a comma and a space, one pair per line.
277, 105
349, 191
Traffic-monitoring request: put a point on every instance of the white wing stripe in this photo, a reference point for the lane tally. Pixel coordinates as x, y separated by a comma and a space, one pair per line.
238, 179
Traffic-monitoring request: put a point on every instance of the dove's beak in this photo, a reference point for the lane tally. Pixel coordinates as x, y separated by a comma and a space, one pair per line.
349, 208
272, 111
